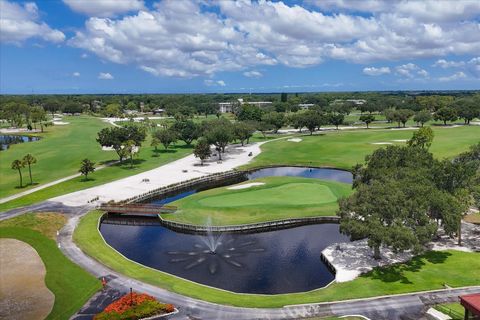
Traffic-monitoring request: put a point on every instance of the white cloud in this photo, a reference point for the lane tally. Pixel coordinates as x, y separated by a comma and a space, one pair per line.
210, 83
21, 22
76, 74
244, 35
105, 76
411, 70
253, 74
406, 70
372, 71
453, 77
104, 8
427, 10
84, 56
442, 63
422, 73
474, 66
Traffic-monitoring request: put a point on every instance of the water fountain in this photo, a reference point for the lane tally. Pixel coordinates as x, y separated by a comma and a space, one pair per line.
213, 252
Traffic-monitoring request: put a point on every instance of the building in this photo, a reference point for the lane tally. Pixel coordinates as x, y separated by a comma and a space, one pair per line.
306, 106
471, 303
356, 102
225, 107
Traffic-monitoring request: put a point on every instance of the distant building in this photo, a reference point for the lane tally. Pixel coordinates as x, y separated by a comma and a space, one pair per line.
306, 106
158, 111
225, 107
356, 102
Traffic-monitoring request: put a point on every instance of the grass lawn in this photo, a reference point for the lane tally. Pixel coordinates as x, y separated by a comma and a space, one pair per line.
147, 159
344, 149
426, 272
71, 285
58, 153
455, 310
278, 198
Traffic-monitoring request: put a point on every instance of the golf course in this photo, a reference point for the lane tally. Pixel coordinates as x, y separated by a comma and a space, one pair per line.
264, 199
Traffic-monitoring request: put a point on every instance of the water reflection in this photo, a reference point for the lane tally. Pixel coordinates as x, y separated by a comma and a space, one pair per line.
7, 140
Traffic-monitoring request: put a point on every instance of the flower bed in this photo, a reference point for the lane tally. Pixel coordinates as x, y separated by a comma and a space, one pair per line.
134, 306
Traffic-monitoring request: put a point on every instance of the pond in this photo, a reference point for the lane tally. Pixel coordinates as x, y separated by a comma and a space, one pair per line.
7, 140
269, 262
280, 261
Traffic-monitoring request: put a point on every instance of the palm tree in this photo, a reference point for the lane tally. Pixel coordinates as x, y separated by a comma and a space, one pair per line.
18, 165
29, 160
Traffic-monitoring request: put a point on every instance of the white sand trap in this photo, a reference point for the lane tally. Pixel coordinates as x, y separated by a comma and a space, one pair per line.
381, 143
60, 123
246, 185
295, 140
23, 294
400, 140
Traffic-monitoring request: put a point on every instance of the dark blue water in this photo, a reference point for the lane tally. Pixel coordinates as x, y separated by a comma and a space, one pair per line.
281, 261
315, 173
273, 262
7, 140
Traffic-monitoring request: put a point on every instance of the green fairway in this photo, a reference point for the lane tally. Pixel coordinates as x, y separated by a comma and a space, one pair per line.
278, 198
71, 285
344, 149
58, 153
147, 159
429, 271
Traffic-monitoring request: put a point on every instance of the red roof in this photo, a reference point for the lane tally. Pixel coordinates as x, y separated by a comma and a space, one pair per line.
471, 302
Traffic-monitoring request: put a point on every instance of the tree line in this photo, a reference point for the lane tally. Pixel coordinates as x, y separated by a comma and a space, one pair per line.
15, 108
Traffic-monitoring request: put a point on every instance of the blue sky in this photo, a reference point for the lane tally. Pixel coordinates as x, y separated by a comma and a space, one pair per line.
135, 46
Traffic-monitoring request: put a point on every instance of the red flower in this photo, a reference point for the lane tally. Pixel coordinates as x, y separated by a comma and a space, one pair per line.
126, 302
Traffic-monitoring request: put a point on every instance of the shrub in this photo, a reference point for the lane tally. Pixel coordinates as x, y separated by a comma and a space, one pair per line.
133, 307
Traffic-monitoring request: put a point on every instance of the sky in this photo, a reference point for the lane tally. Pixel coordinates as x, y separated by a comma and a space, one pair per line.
206, 46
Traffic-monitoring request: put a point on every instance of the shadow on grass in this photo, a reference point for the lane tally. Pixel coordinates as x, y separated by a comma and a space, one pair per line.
396, 273
167, 151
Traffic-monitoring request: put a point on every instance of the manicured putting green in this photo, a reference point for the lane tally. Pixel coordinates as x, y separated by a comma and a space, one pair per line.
277, 198
284, 195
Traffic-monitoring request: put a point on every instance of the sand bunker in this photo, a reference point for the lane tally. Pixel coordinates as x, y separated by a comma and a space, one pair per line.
381, 143
246, 185
23, 293
60, 123
400, 140
295, 140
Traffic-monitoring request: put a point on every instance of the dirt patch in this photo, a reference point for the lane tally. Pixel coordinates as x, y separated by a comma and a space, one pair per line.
46, 223
23, 293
